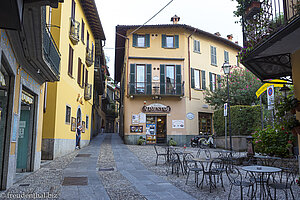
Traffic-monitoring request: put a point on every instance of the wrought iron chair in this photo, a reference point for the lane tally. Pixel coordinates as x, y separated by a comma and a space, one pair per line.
236, 179
174, 163
159, 154
192, 166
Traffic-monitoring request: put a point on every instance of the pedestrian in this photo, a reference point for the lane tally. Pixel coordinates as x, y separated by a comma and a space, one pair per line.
78, 135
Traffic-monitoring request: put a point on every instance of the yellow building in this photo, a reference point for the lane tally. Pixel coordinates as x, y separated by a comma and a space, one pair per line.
163, 70
28, 59
77, 30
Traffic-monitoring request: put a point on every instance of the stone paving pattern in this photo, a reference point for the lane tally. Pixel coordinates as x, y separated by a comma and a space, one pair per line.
134, 176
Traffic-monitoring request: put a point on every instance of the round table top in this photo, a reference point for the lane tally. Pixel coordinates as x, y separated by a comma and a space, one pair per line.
261, 169
201, 160
184, 152
265, 157
222, 150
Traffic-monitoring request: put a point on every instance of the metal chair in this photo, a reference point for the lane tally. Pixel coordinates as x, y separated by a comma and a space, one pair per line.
236, 179
159, 154
283, 181
192, 166
174, 162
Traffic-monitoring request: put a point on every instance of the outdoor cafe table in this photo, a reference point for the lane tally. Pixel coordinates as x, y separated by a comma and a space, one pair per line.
259, 173
205, 168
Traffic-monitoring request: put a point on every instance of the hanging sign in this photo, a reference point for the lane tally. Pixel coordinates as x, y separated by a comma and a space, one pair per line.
270, 95
156, 108
266, 85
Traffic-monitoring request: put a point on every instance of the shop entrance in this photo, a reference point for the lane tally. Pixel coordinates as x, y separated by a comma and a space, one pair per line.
205, 125
4, 91
156, 129
26, 136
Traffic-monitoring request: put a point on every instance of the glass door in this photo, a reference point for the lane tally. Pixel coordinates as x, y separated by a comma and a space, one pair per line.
4, 88
205, 125
161, 131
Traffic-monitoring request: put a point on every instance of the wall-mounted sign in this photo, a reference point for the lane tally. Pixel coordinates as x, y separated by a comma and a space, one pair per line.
177, 123
156, 108
83, 127
135, 119
190, 116
142, 118
136, 129
73, 124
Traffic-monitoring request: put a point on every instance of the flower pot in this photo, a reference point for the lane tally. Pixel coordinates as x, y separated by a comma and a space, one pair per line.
253, 9
296, 130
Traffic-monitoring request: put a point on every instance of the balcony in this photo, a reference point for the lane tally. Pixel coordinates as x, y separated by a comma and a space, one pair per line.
74, 31
51, 52
156, 89
88, 92
270, 34
89, 57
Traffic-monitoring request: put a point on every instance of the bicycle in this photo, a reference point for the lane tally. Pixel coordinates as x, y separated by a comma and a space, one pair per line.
206, 141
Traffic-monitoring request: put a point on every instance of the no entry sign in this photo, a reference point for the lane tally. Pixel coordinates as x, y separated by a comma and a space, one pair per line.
270, 95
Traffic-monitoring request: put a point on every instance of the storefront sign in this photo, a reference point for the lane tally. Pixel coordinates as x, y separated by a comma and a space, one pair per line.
177, 123
156, 108
136, 129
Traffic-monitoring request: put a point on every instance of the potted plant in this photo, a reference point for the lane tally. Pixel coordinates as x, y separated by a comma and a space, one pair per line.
141, 141
172, 142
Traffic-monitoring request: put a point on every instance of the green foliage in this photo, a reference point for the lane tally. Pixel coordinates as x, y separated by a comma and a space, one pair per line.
273, 141
244, 120
141, 140
242, 88
172, 142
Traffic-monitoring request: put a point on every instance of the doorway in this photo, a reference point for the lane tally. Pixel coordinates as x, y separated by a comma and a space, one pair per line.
26, 136
205, 123
158, 127
4, 105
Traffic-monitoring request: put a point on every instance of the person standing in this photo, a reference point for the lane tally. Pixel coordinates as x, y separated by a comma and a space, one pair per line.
78, 135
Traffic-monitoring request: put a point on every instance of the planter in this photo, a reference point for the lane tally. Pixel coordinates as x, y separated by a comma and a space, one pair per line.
253, 9
296, 130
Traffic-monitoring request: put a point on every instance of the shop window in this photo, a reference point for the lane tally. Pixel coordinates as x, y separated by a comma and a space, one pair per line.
205, 123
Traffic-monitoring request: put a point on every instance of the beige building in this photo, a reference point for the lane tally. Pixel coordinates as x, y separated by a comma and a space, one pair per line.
164, 70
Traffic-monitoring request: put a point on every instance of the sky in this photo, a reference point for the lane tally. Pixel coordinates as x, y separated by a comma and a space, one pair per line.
208, 15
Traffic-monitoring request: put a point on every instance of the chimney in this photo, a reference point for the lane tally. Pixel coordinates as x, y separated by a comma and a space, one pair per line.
175, 19
229, 37
217, 34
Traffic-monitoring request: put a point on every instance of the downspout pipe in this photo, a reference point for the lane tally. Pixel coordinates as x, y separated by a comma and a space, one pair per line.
189, 65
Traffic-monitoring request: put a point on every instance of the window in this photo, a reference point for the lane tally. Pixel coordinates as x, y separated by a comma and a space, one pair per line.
87, 122
68, 114
213, 53
213, 82
70, 66
197, 79
170, 41
197, 46
86, 77
141, 41
83, 71
82, 31
87, 40
170, 79
205, 123
226, 57
73, 9
140, 79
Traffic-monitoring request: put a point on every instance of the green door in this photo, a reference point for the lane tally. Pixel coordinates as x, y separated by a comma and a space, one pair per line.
23, 138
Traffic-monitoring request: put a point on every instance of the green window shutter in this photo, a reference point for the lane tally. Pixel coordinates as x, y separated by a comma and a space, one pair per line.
178, 80
210, 81
132, 79
134, 40
219, 81
203, 80
162, 80
149, 79
212, 54
176, 41
215, 55
195, 49
147, 38
163, 41
192, 78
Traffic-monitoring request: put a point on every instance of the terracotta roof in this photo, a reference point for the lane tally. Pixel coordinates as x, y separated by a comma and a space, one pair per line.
91, 13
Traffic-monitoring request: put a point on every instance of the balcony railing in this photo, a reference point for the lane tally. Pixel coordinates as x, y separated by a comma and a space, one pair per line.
88, 92
51, 52
89, 57
156, 88
266, 17
74, 31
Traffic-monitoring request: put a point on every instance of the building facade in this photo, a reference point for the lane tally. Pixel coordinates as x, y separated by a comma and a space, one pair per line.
163, 71
26, 64
76, 28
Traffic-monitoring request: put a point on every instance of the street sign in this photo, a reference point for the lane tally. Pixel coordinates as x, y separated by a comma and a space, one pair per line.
270, 95
266, 85
225, 109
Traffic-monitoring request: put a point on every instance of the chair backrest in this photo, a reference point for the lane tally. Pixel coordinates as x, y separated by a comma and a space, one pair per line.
234, 175
188, 161
216, 164
207, 154
199, 153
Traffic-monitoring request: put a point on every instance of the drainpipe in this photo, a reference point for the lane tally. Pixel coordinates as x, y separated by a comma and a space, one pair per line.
189, 63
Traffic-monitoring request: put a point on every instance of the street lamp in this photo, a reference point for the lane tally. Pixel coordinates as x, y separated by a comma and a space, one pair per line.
284, 90
226, 67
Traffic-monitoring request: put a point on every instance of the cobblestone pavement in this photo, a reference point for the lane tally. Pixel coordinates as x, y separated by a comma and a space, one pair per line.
116, 171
